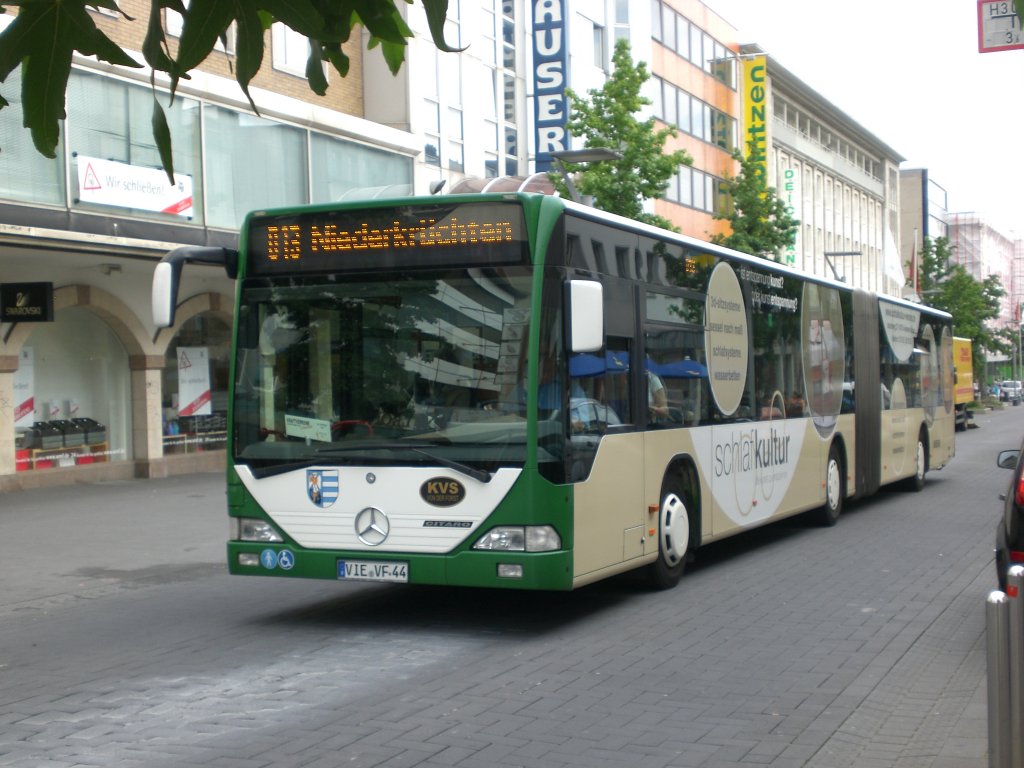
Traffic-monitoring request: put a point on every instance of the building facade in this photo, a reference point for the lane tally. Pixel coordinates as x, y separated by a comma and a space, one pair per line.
80, 230
983, 250
924, 214
81, 235
840, 181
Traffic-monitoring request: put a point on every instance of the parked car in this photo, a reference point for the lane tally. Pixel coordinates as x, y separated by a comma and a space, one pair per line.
1010, 391
1010, 531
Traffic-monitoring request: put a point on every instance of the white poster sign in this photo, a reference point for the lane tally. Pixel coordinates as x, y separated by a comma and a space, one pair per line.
108, 182
194, 381
726, 338
901, 325
24, 390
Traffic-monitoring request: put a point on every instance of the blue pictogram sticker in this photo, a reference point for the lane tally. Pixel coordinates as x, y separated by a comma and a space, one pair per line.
285, 560
268, 558
322, 486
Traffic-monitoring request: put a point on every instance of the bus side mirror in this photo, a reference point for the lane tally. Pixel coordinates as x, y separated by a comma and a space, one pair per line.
167, 276
165, 292
586, 316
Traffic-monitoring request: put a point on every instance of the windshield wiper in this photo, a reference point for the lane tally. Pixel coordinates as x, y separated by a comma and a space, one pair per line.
279, 469
420, 448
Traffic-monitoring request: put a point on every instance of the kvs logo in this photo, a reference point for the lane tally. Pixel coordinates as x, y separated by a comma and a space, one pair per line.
442, 492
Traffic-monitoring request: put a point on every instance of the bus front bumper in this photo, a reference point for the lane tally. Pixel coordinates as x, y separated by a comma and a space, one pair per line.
508, 570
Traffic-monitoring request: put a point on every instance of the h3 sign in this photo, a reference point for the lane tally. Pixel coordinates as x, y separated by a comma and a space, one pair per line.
998, 26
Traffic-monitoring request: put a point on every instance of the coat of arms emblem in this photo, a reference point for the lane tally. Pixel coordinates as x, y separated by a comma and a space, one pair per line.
322, 486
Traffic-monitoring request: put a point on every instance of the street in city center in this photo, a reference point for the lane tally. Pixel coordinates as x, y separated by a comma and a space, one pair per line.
123, 642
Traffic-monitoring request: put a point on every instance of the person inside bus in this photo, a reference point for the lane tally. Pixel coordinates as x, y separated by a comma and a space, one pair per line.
657, 398
549, 387
796, 406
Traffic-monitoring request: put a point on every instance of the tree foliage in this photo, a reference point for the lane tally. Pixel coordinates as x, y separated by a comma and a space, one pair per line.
607, 118
46, 34
760, 223
974, 305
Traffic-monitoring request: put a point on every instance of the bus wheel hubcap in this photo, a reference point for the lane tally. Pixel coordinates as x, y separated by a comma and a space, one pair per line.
675, 529
833, 484
920, 460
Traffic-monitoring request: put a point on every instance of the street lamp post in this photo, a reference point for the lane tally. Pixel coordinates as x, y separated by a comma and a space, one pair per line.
588, 155
831, 265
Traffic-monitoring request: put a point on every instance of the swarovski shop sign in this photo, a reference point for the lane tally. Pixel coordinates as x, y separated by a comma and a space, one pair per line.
26, 302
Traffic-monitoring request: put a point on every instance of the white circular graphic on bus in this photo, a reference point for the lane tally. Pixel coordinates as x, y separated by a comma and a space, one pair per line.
726, 338
823, 345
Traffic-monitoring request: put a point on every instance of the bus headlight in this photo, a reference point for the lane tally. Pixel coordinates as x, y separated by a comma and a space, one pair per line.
251, 529
520, 538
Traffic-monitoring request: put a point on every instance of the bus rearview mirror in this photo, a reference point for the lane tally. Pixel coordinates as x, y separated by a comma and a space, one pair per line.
165, 293
586, 316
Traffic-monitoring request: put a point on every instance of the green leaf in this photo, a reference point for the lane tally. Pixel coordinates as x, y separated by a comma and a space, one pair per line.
337, 57
162, 135
154, 47
15, 44
89, 40
44, 75
382, 20
205, 22
437, 13
315, 71
394, 54
299, 15
249, 50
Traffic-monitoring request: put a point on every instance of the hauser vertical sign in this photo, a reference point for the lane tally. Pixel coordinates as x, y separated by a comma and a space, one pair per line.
550, 76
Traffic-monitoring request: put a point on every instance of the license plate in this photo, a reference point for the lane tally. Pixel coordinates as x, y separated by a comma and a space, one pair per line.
373, 570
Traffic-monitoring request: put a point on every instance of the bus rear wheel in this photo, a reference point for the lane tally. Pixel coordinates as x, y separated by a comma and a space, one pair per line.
673, 536
828, 514
916, 481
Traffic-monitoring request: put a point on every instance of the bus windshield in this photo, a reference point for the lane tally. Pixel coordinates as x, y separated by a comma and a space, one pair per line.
403, 369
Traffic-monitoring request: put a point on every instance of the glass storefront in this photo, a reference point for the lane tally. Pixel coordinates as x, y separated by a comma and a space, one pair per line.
75, 371
195, 386
77, 368
237, 161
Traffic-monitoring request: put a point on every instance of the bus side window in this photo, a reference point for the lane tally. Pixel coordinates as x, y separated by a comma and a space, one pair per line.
616, 390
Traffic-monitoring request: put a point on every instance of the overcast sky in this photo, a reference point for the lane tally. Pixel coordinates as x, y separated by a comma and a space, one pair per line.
910, 72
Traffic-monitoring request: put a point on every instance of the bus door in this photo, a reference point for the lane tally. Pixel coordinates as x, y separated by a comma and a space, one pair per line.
609, 507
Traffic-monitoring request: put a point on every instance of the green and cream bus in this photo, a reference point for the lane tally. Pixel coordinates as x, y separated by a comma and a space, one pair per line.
512, 390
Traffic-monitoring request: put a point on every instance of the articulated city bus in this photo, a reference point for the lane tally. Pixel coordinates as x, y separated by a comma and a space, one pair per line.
518, 391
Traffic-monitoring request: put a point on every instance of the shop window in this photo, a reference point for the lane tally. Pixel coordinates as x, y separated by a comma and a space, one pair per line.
341, 167
238, 185
112, 121
25, 175
76, 371
195, 386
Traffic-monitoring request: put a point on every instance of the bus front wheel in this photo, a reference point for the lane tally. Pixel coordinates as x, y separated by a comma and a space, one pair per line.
673, 536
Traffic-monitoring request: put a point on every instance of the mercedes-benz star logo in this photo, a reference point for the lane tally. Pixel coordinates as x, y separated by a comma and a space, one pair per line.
372, 526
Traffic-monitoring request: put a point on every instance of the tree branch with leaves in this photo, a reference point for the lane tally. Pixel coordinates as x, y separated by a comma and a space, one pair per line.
607, 117
760, 223
46, 34
975, 305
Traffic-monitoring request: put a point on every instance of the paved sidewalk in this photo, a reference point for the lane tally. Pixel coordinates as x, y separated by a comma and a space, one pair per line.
860, 646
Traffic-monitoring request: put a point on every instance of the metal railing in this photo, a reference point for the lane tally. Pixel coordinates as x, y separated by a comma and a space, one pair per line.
1004, 617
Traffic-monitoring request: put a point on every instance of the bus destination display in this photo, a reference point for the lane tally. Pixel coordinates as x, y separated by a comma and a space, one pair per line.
442, 235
